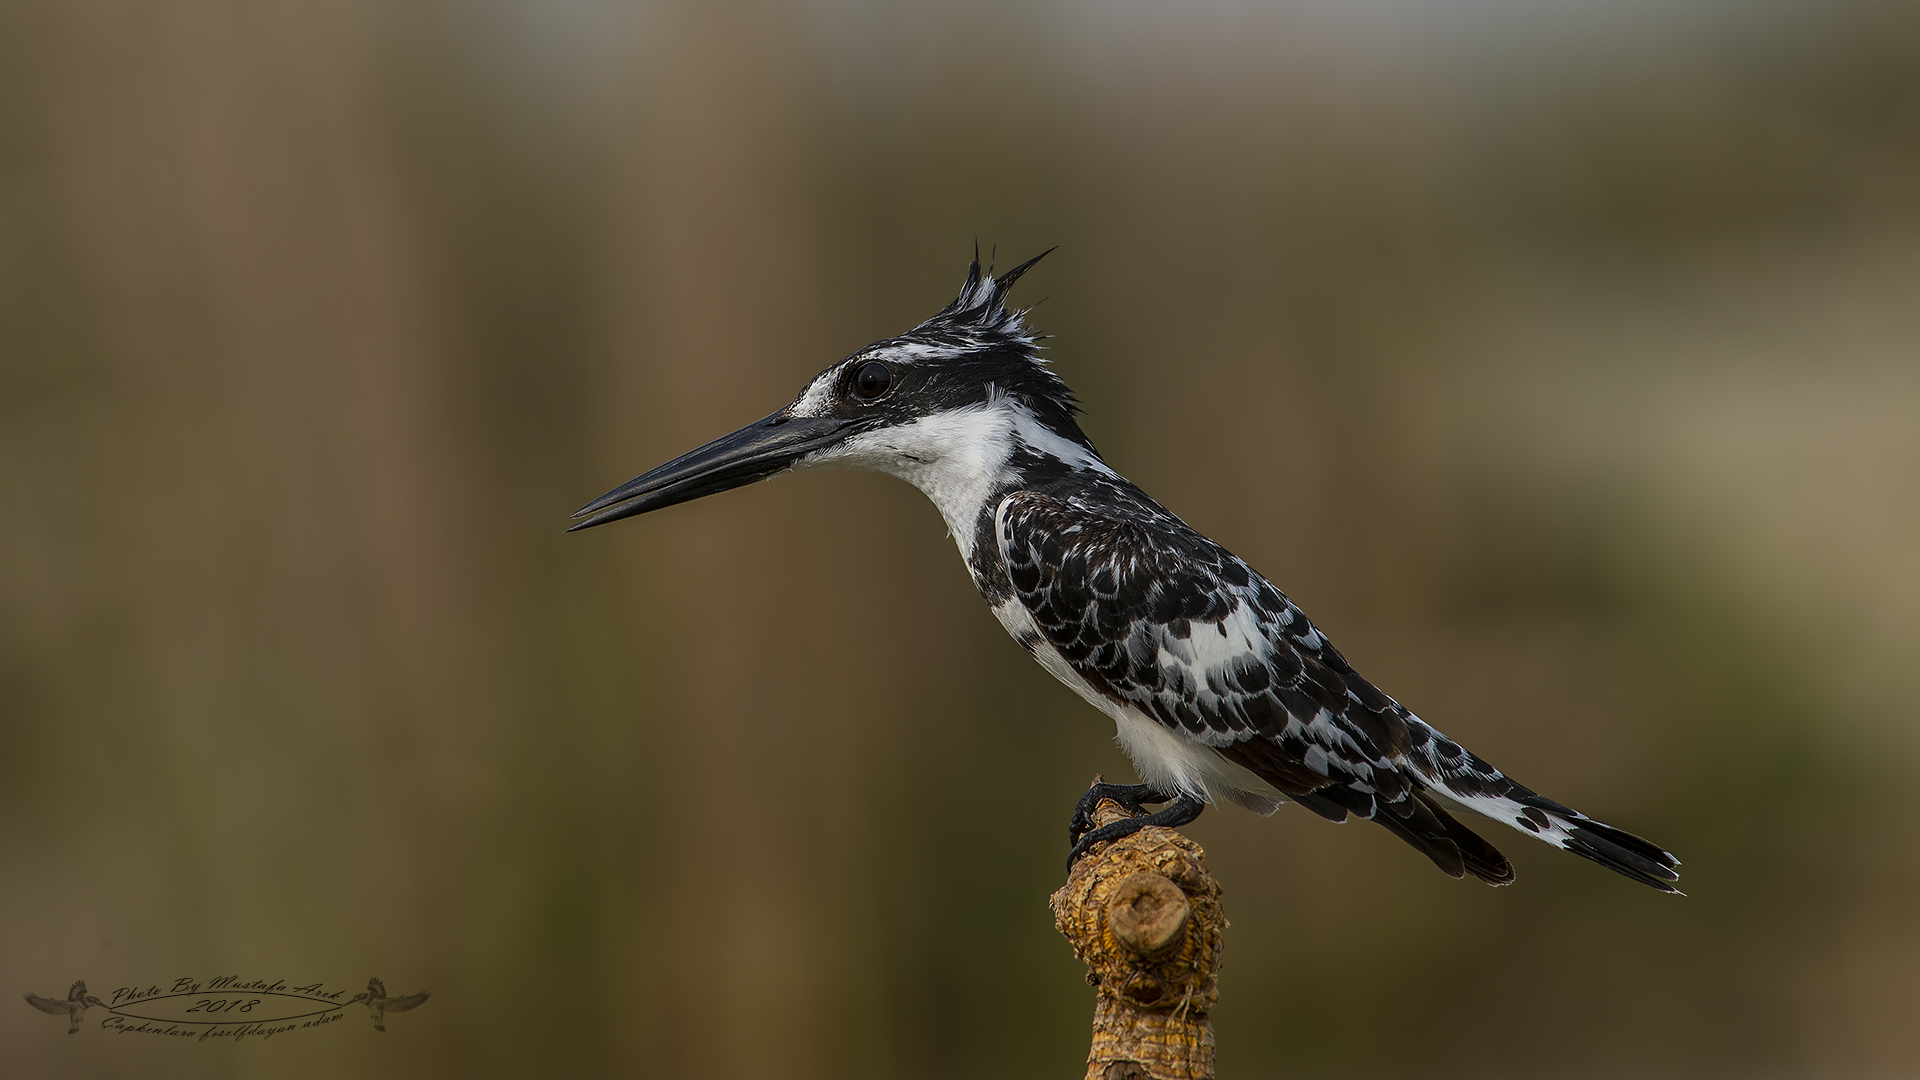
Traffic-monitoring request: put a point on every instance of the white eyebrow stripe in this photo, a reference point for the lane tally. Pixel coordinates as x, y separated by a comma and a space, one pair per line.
912, 351
818, 396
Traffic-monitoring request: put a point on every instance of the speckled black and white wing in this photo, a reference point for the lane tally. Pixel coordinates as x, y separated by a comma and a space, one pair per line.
1208, 662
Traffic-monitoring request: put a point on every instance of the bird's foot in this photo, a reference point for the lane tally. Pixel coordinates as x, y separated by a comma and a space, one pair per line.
1082, 834
1131, 796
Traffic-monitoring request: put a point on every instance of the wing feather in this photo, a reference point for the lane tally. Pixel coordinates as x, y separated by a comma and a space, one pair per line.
1155, 616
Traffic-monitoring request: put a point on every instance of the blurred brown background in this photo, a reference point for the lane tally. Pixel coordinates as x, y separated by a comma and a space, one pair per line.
1562, 360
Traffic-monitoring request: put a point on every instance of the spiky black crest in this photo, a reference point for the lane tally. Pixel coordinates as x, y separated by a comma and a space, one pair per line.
980, 311
987, 342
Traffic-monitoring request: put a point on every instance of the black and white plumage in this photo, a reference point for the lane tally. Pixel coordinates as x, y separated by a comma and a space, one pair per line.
1220, 687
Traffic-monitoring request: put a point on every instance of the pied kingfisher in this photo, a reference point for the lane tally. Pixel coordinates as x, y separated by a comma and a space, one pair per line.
1219, 685
77, 1003
379, 1004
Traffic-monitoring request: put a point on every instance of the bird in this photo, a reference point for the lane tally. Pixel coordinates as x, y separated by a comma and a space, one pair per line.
1219, 686
379, 1004
78, 1001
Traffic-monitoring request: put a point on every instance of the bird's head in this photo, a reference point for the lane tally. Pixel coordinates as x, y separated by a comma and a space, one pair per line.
953, 395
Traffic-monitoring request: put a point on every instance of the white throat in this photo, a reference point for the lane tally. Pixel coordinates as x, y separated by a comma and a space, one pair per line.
957, 458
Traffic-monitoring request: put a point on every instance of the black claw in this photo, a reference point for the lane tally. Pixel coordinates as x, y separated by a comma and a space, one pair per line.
1181, 811
1127, 795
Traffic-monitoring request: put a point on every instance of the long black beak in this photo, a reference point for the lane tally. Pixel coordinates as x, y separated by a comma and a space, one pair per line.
755, 452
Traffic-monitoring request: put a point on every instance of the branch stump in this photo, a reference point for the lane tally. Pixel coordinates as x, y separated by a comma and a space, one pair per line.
1144, 915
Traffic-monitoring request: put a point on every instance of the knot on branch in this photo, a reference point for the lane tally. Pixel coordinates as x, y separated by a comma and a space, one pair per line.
1144, 915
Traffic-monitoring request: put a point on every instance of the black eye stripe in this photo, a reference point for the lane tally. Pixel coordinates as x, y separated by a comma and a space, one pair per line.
872, 380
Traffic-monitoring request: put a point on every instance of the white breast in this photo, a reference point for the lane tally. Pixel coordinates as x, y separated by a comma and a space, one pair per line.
1164, 758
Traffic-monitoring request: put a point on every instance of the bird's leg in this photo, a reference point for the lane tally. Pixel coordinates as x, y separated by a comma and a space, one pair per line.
1130, 796
1179, 811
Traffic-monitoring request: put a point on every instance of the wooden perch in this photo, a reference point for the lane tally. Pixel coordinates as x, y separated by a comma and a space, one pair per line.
1145, 916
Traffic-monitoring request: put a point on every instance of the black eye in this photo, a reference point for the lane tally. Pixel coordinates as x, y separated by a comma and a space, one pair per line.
873, 379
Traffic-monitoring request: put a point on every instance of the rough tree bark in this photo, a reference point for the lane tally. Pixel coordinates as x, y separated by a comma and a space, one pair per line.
1145, 916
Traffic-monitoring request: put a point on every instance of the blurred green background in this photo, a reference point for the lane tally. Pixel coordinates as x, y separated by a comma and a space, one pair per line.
1562, 360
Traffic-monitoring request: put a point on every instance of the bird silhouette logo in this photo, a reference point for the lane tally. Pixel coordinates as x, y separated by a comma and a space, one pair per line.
379, 1004
78, 1001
